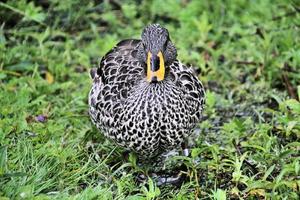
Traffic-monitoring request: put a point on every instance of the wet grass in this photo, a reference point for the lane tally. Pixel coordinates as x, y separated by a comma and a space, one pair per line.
246, 54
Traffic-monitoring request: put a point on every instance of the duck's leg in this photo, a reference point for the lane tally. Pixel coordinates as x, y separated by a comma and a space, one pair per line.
175, 175
165, 174
165, 171
185, 149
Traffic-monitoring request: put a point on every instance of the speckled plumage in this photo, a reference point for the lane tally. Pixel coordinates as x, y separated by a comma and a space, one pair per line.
148, 118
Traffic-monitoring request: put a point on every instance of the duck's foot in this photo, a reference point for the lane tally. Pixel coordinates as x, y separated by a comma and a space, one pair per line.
176, 178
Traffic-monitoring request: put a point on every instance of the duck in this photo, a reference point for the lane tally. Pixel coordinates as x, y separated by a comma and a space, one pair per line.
143, 98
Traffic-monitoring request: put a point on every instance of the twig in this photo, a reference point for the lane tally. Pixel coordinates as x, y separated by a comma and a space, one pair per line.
10, 72
242, 62
288, 85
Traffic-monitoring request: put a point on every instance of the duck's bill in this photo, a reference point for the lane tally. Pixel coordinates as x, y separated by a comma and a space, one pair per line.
155, 67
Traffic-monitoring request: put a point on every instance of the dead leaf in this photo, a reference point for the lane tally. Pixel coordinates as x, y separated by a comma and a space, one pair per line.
49, 78
258, 192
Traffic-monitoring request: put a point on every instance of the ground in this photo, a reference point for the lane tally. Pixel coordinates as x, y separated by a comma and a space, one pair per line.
247, 54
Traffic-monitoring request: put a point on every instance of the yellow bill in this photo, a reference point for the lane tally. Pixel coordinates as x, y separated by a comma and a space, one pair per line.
155, 67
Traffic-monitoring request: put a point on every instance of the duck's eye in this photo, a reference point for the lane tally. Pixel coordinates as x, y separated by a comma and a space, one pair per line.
165, 45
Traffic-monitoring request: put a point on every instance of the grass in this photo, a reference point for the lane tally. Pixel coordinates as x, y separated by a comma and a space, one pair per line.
247, 55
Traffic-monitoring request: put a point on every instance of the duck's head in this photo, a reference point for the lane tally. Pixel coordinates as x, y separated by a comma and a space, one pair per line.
156, 52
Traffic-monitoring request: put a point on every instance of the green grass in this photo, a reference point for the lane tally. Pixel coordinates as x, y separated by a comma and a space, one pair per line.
247, 56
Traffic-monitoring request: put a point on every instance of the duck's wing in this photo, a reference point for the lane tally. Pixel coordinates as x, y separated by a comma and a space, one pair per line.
118, 71
119, 61
192, 88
